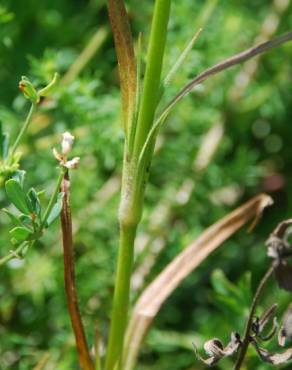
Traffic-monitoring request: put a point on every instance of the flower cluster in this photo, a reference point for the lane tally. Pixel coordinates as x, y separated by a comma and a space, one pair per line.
66, 147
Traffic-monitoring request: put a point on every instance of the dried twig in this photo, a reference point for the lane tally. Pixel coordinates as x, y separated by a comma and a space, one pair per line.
69, 277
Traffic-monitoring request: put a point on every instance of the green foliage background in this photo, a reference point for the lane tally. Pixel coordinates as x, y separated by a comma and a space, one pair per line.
38, 38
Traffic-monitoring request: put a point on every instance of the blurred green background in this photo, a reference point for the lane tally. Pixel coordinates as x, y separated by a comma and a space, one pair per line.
245, 113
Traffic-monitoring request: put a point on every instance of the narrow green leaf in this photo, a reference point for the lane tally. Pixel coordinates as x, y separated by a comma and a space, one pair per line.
16, 195
56, 210
20, 234
175, 68
126, 58
34, 201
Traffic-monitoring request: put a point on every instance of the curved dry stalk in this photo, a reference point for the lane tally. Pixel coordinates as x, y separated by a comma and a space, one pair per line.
225, 64
150, 301
69, 277
246, 339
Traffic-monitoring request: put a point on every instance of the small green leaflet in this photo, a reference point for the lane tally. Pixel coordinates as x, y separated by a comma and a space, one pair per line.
34, 201
16, 195
20, 234
56, 210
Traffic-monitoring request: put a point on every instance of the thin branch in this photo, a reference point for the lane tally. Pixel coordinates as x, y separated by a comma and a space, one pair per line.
22, 131
69, 277
17, 253
246, 338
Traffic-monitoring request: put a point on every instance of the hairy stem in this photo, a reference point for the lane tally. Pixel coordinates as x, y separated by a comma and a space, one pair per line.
69, 277
246, 338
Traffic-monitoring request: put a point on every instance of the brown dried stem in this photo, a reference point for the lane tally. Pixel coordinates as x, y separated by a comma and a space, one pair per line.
69, 277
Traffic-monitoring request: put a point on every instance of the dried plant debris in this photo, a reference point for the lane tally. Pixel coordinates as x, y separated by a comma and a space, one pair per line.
272, 358
259, 324
285, 331
216, 351
279, 248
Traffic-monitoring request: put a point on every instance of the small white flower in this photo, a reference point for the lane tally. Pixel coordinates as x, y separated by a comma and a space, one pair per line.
73, 163
67, 142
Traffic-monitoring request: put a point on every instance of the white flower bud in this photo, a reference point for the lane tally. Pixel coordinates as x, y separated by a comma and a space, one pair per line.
73, 163
67, 142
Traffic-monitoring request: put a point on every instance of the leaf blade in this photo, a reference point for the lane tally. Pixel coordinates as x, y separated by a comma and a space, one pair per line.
56, 210
16, 195
20, 233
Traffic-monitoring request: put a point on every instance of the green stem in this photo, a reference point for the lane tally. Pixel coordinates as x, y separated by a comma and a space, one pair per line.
23, 129
149, 99
121, 297
53, 198
133, 184
13, 254
246, 338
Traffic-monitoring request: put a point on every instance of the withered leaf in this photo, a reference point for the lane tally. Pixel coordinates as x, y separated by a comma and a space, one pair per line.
283, 273
286, 328
215, 349
149, 303
273, 358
